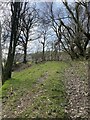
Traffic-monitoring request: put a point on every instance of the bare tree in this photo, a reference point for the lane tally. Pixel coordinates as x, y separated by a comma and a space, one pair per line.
55, 18
28, 22
16, 9
43, 31
82, 24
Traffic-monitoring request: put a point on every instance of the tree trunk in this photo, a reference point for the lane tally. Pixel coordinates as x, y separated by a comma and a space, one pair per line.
59, 52
25, 54
43, 54
9, 64
13, 41
43, 57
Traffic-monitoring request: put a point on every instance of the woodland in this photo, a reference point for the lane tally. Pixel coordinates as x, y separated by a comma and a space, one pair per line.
45, 60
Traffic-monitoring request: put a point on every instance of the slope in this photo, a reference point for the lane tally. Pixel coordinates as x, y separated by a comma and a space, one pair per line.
37, 91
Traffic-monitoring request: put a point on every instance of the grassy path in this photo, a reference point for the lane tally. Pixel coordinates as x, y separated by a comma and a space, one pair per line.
36, 92
42, 90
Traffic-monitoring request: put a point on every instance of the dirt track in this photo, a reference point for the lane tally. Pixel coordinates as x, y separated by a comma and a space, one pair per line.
76, 86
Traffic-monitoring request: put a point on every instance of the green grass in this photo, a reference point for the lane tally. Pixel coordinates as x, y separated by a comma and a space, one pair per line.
45, 84
51, 102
